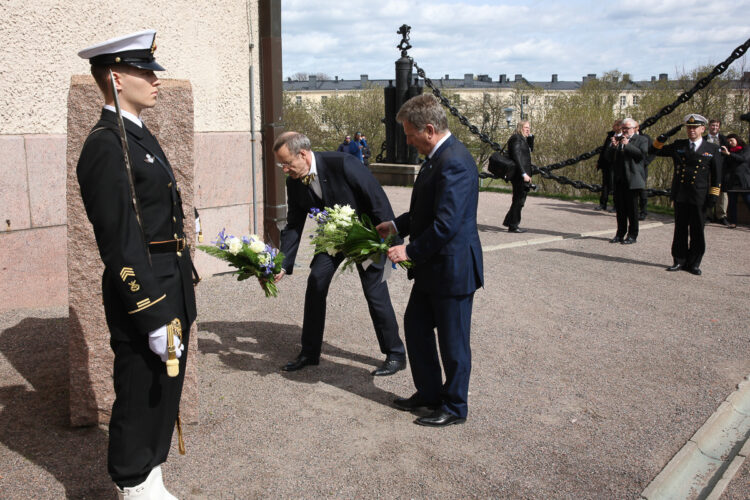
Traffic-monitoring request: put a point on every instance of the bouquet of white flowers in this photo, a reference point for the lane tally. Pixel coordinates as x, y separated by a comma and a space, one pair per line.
250, 256
340, 229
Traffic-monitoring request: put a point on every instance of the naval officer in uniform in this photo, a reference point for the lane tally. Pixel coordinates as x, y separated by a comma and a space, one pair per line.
147, 281
695, 188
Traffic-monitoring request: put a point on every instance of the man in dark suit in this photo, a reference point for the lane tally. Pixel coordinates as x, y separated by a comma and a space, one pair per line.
695, 188
626, 154
603, 165
520, 152
447, 268
147, 281
719, 212
319, 180
643, 202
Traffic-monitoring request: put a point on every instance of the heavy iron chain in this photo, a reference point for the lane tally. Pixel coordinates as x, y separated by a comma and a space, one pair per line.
546, 171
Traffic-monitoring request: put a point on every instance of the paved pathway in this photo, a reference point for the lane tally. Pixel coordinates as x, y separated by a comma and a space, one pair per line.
592, 367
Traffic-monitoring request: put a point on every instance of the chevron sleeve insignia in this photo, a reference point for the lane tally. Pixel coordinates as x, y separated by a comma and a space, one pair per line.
127, 272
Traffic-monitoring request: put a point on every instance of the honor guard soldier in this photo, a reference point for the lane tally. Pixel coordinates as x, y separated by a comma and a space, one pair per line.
133, 202
695, 188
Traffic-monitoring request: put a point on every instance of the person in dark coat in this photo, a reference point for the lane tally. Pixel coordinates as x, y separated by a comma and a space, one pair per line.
719, 213
736, 175
643, 201
319, 180
446, 254
627, 154
147, 280
520, 153
606, 169
695, 188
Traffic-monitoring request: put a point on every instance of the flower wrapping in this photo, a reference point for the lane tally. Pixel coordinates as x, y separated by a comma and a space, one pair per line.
341, 230
251, 256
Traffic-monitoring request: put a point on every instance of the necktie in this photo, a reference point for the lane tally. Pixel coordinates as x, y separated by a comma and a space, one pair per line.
692, 147
306, 180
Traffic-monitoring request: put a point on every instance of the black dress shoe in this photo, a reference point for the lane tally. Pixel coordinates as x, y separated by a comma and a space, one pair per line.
414, 402
516, 230
600, 207
642, 216
616, 239
628, 241
389, 367
299, 362
439, 418
611, 210
725, 222
694, 270
675, 267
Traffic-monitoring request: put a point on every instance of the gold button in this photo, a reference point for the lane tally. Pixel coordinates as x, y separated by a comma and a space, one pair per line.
169, 185
174, 219
175, 235
179, 254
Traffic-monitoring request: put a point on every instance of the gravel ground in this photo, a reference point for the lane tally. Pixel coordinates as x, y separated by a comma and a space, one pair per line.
592, 366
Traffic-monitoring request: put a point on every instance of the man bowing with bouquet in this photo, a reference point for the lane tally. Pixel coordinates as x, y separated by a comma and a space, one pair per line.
319, 180
447, 269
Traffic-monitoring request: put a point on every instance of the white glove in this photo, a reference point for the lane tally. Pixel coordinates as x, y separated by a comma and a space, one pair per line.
157, 342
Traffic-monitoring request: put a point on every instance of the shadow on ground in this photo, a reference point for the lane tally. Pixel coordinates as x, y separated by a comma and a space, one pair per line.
607, 258
264, 347
35, 422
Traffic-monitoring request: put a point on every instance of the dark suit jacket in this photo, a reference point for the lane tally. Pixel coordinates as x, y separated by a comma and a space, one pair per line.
694, 173
520, 153
628, 161
442, 224
601, 162
722, 139
344, 180
139, 296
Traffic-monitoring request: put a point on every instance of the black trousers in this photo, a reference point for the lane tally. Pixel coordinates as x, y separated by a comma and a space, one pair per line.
689, 242
626, 208
643, 201
513, 217
145, 410
607, 184
322, 269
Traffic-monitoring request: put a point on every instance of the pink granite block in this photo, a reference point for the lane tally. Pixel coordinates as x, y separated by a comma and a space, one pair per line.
45, 158
32, 268
236, 221
14, 202
223, 169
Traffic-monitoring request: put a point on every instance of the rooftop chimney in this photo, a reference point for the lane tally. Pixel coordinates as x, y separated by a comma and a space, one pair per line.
468, 79
519, 77
337, 79
554, 78
363, 79
592, 76
663, 76
653, 78
446, 76
312, 79
503, 78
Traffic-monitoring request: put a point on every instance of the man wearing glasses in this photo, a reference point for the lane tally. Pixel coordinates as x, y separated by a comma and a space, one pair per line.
319, 180
627, 154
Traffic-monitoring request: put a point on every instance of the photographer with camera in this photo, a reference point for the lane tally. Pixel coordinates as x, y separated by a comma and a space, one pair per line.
520, 146
627, 154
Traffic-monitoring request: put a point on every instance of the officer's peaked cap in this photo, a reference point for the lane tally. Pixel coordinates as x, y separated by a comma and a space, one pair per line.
135, 49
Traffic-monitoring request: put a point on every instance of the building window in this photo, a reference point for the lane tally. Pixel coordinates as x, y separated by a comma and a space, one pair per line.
524, 100
299, 100
635, 100
623, 100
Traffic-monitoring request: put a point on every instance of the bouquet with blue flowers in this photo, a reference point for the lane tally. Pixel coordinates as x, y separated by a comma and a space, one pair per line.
250, 256
340, 229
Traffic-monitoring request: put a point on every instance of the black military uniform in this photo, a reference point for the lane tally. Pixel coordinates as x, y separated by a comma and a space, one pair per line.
145, 285
695, 186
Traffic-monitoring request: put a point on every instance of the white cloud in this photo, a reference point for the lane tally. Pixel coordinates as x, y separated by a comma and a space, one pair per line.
536, 38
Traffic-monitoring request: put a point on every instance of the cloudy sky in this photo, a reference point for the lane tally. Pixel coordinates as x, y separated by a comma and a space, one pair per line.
535, 38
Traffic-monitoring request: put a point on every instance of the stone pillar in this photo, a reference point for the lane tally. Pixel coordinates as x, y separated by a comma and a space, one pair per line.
171, 121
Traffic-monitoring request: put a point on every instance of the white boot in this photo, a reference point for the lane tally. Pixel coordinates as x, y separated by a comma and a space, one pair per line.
151, 489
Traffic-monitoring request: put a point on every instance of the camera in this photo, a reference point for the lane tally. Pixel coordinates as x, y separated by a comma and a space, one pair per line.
528, 186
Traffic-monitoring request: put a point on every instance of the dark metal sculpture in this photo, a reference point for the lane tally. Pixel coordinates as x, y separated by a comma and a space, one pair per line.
396, 149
